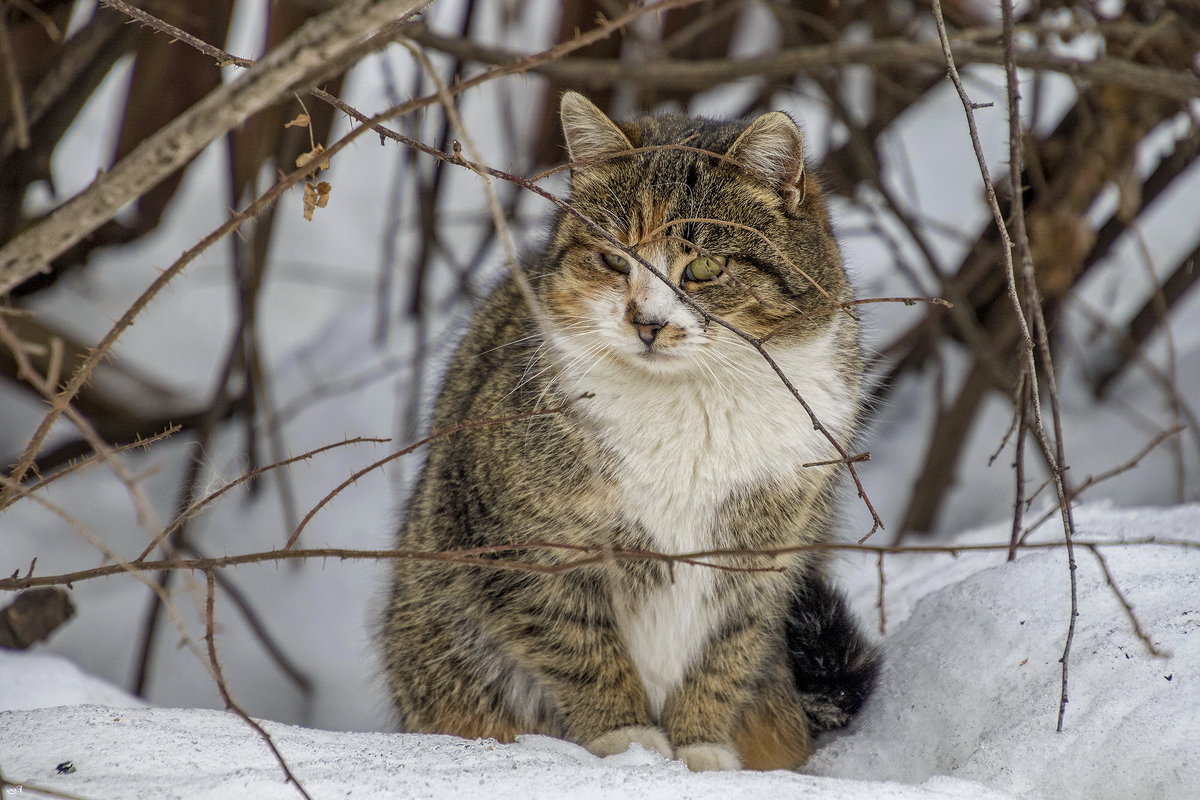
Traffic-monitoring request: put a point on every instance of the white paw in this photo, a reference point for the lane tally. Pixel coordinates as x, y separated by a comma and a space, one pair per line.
618, 741
709, 757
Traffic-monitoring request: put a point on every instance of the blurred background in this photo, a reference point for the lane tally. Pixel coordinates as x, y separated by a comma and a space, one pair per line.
294, 334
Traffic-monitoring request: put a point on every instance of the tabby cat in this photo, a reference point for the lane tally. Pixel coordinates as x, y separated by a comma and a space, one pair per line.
677, 437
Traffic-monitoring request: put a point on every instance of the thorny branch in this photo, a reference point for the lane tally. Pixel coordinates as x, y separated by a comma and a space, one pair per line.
210, 639
460, 428
198, 505
486, 557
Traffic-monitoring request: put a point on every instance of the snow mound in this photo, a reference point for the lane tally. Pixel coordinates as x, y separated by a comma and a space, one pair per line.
971, 681
41, 680
965, 709
200, 754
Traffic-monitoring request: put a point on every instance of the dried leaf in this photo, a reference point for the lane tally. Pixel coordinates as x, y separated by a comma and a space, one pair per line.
315, 196
310, 201
311, 159
300, 121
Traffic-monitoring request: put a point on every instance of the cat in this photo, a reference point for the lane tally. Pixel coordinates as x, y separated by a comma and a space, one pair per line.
676, 436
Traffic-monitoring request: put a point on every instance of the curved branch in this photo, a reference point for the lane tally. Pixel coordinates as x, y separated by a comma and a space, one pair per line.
597, 73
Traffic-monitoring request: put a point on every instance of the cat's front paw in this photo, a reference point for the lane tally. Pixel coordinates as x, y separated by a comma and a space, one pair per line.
618, 741
709, 757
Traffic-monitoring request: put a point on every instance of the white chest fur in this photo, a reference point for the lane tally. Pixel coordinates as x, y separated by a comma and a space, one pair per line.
683, 444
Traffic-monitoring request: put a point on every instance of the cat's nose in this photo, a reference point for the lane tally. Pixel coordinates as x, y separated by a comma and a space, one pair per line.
647, 331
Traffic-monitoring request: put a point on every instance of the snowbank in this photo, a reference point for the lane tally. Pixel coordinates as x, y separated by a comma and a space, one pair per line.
200, 753
41, 680
965, 710
971, 683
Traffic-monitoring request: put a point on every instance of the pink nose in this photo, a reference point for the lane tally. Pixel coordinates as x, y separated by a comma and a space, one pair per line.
648, 331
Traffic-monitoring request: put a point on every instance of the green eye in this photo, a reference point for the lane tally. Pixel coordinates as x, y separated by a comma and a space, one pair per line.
616, 262
704, 268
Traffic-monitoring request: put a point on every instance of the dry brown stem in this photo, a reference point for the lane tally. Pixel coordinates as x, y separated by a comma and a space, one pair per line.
703, 74
486, 557
194, 508
210, 640
87, 462
1053, 455
1092, 480
461, 427
1150, 646
16, 94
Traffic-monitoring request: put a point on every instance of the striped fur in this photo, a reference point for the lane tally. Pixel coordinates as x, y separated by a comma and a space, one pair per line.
687, 440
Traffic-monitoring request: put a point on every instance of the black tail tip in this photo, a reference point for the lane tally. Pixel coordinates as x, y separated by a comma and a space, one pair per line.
834, 665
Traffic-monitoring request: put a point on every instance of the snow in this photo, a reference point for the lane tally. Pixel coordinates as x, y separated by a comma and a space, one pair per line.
974, 658
965, 708
42, 680
197, 754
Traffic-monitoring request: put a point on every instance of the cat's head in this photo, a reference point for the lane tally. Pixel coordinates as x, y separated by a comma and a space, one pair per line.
731, 218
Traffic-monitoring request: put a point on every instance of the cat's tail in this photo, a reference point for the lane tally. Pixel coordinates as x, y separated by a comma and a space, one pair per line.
833, 663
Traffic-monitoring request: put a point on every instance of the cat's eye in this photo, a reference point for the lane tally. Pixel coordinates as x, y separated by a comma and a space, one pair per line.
704, 268
616, 262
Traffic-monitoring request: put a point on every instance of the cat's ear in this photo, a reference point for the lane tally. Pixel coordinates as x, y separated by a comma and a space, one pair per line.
589, 132
773, 149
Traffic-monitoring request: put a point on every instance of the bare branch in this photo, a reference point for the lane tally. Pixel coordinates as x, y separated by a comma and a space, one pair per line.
1053, 456
210, 640
486, 557
464, 426
1151, 648
703, 74
195, 507
16, 94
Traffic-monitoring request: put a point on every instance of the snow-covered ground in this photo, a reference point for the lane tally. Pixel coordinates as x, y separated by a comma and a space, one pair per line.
965, 709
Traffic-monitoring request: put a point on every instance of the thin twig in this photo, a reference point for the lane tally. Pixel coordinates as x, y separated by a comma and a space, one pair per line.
1054, 456
485, 557
1151, 648
879, 602
770, 243
219, 676
195, 507
16, 94
222, 58
1019, 503
456, 429
90, 461
1056, 459
1092, 480
908, 301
